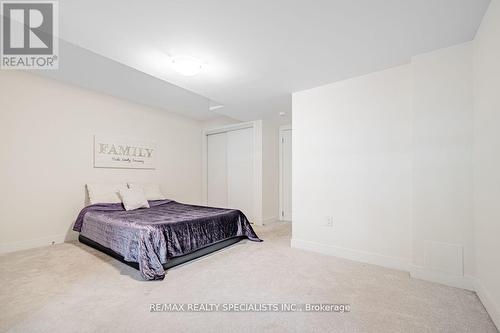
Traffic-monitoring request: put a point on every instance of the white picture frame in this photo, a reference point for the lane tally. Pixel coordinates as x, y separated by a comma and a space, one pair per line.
124, 153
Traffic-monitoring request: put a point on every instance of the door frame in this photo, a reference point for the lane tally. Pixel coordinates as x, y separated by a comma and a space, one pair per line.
282, 129
257, 168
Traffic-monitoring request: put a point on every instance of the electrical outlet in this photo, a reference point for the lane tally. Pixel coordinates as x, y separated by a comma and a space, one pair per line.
329, 221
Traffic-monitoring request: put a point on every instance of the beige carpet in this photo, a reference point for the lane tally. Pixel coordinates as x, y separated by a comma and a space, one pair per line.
72, 288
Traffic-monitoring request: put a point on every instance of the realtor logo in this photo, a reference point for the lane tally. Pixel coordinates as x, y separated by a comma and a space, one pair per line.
29, 35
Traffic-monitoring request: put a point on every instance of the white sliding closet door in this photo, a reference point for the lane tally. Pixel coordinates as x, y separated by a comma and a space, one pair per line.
216, 170
230, 170
240, 177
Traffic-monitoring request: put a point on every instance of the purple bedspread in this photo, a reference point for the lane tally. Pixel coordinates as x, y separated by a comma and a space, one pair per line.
153, 235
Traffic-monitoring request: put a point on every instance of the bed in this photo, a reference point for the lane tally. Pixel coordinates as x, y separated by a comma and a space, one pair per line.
166, 234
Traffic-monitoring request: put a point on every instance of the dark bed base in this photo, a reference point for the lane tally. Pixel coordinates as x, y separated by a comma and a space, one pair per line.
171, 262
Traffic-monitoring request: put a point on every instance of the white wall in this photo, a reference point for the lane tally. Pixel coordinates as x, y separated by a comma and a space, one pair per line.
442, 102
352, 161
409, 153
389, 156
47, 130
487, 160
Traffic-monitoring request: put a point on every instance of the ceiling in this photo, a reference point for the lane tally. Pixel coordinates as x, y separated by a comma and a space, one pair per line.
87, 69
257, 52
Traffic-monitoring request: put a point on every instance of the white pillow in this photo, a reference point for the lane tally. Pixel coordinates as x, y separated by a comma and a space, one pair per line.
151, 191
133, 199
105, 193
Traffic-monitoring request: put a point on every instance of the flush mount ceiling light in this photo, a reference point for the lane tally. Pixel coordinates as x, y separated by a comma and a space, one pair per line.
187, 66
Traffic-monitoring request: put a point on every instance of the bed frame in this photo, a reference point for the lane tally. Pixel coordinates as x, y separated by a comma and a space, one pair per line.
171, 262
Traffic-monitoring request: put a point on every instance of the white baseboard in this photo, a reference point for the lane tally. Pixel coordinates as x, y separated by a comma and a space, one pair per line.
31, 243
355, 255
458, 281
489, 303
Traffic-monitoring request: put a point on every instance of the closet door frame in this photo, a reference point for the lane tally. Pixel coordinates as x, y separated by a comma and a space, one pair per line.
282, 129
257, 160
